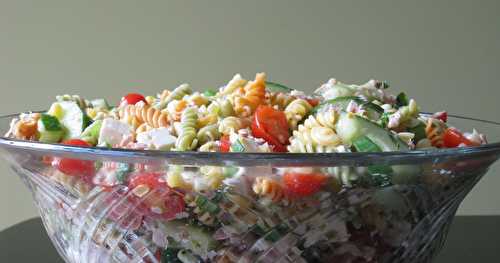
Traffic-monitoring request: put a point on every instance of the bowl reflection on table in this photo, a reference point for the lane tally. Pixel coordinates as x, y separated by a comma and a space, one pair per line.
377, 207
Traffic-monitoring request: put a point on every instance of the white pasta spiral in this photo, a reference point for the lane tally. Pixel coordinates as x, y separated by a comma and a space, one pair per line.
296, 111
233, 124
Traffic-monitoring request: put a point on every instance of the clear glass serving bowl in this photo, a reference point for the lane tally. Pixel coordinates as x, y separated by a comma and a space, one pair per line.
376, 207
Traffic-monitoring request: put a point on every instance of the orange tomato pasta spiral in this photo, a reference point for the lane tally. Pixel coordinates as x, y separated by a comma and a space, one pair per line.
255, 95
434, 131
269, 188
144, 113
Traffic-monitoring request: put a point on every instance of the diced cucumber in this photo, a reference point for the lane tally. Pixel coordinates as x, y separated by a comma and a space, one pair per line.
50, 129
276, 87
337, 90
374, 111
200, 241
100, 104
237, 146
419, 131
351, 127
91, 133
363, 144
72, 118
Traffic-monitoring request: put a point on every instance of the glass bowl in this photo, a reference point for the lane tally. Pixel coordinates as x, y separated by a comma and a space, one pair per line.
373, 207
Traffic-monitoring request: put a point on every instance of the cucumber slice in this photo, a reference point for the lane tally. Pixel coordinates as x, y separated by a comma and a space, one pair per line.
335, 91
91, 133
363, 144
50, 129
419, 132
276, 87
200, 241
100, 104
73, 119
374, 111
351, 127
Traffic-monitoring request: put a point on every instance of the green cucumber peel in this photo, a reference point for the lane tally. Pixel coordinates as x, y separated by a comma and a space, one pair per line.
276, 87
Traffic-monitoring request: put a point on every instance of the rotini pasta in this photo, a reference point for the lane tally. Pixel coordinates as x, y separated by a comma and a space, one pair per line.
255, 95
296, 111
233, 124
268, 188
317, 134
24, 128
279, 100
177, 94
237, 82
434, 131
187, 137
144, 113
208, 133
175, 109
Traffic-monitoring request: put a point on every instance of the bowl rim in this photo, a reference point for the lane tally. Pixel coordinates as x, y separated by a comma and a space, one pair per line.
248, 158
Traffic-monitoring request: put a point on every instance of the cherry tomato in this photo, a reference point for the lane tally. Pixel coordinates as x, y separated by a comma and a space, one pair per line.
442, 115
453, 138
301, 184
174, 205
313, 101
75, 167
132, 98
271, 125
225, 144
149, 179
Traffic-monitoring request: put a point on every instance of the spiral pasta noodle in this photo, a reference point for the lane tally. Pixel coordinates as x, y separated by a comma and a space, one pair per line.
237, 82
175, 109
255, 95
317, 134
144, 113
296, 111
24, 128
208, 133
233, 124
223, 108
434, 131
177, 94
197, 99
280, 100
187, 136
268, 188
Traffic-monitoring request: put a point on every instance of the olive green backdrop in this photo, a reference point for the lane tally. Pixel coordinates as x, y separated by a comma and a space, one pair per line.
446, 54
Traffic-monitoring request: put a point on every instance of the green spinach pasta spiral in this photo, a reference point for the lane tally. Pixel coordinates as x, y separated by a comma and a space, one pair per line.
177, 94
187, 138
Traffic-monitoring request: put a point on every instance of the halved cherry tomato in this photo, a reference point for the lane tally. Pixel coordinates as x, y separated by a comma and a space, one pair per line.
225, 144
271, 125
453, 138
313, 101
149, 179
302, 184
75, 167
132, 99
442, 115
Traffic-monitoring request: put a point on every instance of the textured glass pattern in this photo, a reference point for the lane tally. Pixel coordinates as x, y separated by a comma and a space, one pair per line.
378, 207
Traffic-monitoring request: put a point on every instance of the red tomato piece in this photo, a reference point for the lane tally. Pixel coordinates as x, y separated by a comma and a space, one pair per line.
225, 144
132, 99
75, 167
271, 125
301, 184
149, 179
174, 205
453, 138
313, 101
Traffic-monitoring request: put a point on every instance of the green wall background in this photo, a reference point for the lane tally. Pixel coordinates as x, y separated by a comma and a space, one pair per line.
446, 54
